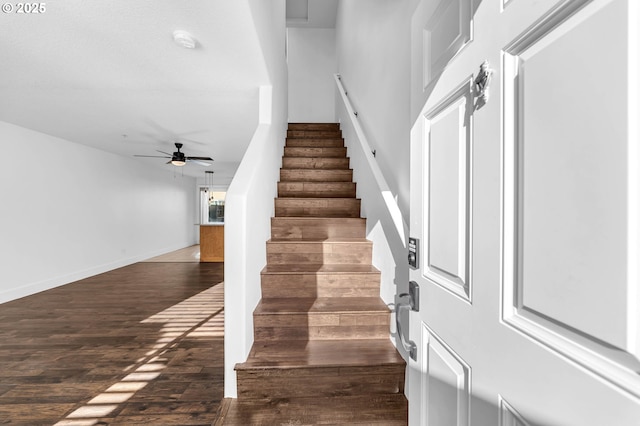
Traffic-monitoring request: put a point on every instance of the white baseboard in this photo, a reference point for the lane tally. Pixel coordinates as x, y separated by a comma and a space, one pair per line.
37, 287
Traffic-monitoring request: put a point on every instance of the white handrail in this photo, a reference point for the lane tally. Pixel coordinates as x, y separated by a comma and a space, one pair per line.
390, 202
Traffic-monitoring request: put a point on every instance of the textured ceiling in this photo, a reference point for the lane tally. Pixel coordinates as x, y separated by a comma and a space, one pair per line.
108, 74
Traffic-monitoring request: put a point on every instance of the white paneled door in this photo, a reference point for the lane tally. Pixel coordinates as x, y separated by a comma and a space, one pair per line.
525, 198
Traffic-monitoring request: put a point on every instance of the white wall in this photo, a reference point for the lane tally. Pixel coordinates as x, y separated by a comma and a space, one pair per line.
311, 59
249, 205
385, 227
69, 211
373, 39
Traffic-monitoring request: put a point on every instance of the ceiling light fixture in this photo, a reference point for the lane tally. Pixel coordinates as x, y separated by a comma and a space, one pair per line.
184, 39
178, 159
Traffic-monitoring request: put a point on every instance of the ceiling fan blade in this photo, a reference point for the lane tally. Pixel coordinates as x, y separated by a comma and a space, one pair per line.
202, 163
165, 153
200, 158
151, 156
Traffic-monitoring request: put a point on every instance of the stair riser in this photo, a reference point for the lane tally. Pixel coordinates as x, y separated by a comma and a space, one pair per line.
315, 143
315, 152
317, 253
315, 175
317, 189
319, 258
328, 207
315, 163
321, 326
318, 320
357, 410
328, 127
314, 134
320, 382
321, 285
312, 228
322, 333
317, 212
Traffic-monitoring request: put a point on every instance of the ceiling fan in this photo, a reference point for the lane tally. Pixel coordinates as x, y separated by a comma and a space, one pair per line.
178, 158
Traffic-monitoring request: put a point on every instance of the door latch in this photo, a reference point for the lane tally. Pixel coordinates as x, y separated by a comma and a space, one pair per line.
411, 301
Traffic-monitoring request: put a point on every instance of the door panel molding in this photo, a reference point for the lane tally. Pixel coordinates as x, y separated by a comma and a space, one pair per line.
613, 358
438, 46
445, 384
504, 4
509, 416
447, 248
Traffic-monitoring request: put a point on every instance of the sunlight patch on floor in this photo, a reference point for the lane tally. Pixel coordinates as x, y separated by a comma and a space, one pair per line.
200, 316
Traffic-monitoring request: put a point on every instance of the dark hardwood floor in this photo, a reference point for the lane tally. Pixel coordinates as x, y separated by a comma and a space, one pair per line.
141, 344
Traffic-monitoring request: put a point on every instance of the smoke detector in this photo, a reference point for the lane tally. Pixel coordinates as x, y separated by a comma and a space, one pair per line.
184, 39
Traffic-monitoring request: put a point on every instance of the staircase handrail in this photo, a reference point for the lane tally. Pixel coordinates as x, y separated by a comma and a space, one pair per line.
390, 202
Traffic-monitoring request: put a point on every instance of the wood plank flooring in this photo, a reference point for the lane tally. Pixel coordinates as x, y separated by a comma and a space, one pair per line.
141, 344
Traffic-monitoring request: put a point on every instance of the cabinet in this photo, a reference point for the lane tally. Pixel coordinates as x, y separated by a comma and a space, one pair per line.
211, 243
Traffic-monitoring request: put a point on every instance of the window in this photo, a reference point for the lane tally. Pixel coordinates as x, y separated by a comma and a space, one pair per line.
211, 206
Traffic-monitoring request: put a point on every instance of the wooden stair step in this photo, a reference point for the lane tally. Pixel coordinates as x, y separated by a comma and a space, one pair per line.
314, 134
357, 410
309, 281
321, 318
296, 354
319, 228
316, 175
317, 189
333, 250
298, 151
314, 126
315, 143
315, 162
317, 207
295, 368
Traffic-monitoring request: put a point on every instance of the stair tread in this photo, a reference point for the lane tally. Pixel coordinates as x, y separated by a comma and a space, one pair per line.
317, 183
309, 199
341, 169
312, 124
308, 138
327, 268
317, 157
320, 151
331, 240
321, 353
288, 305
315, 134
321, 140
317, 219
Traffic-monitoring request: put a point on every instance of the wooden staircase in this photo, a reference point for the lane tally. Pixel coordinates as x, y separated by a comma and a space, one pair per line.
322, 353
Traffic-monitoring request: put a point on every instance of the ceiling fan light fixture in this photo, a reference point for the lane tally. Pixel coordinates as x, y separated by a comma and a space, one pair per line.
178, 158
